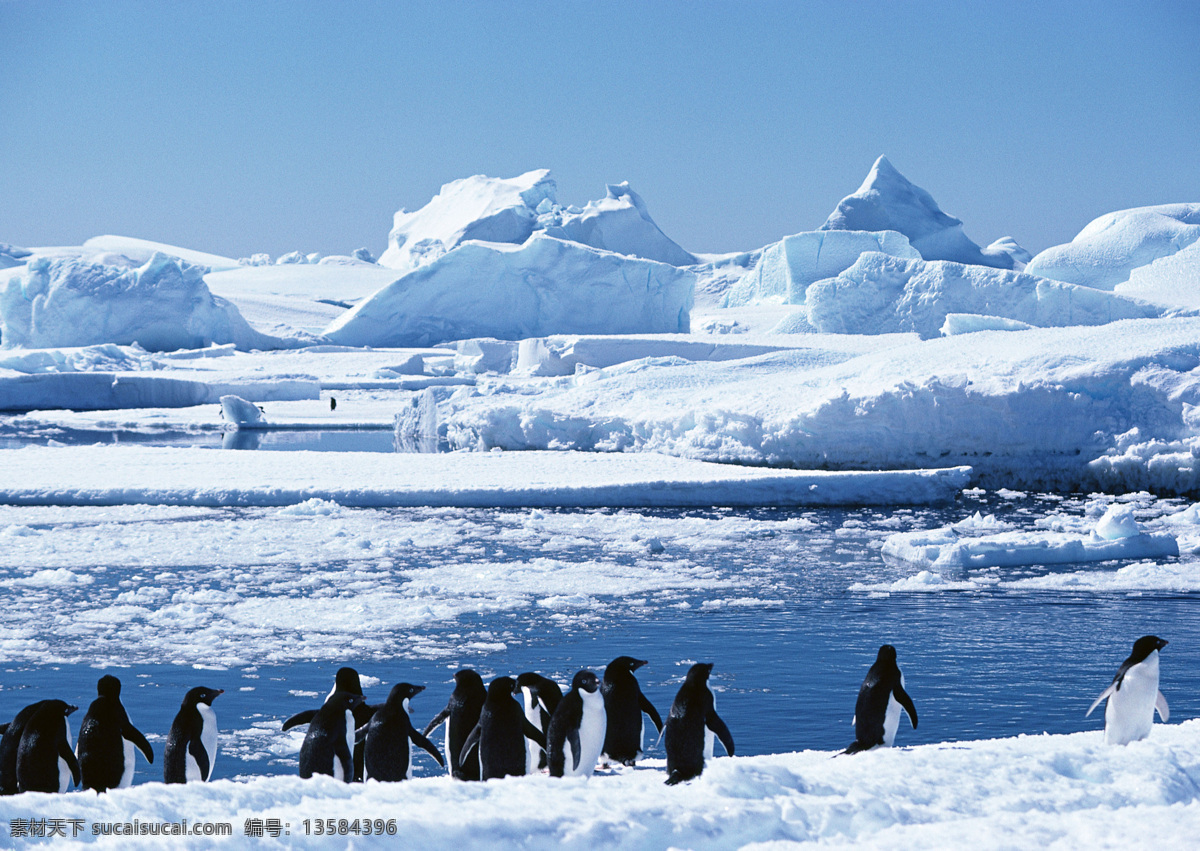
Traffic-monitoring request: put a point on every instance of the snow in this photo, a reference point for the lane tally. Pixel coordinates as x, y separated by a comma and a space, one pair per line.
109, 475
162, 304
141, 250
881, 293
235, 409
888, 201
1105, 253
1030, 790
788, 267
618, 222
546, 286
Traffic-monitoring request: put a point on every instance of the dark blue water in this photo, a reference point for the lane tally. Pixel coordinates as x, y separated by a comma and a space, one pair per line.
978, 664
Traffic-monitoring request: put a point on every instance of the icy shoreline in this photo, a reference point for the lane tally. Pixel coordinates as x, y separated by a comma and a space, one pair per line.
1027, 791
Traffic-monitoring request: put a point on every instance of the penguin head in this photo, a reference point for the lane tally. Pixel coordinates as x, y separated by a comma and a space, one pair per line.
1146, 645
502, 687
467, 677
202, 694
529, 680
403, 691
58, 707
621, 665
587, 681
887, 653
699, 672
347, 679
108, 686
346, 700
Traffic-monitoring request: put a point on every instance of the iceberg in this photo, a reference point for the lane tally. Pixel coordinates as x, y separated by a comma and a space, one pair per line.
1105, 253
881, 294
162, 305
618, 222
789, 266
546, 286
888, 201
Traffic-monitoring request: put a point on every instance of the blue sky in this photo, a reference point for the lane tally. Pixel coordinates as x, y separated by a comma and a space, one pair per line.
237, 127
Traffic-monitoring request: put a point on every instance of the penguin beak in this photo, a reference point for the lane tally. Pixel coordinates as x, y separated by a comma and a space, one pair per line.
1162, 642
71, 709
637, 663
417, 690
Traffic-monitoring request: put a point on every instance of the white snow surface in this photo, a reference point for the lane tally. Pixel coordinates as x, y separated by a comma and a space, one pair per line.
545, 286
162, 305
1029, 791
888, 201
1105, 253
108, 475
141, 250
881, 293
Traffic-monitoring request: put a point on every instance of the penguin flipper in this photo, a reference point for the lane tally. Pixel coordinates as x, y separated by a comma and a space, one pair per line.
65, 752
714, 723
299, 718
471, 742
196, 749
904, 700
438, 719
133, 734
1160, 703
423, 742
1112, 688
648, 708
3, 729
341, 751
573, 738
532, 732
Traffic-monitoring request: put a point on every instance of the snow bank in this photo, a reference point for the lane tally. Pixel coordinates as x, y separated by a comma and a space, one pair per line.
881, 293
162, 305
969, 323
618, 222
1173, 280
1109, 248
546, 286
562, 355
888, 201
108, 475
788, 267
1027, 791
141, 250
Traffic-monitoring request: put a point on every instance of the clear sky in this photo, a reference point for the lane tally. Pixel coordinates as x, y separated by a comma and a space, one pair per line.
237, 127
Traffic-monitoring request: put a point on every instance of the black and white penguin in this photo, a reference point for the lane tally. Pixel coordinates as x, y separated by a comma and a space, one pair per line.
541, 696
461, 715
346, 680
691, 723
107, 740
45, 760
329, 743
191, 748
387, 751
1133, 695
576, 733
10, 743
880, 699
498, 740
625, 703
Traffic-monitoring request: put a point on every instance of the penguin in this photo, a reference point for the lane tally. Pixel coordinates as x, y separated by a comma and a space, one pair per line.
10, 743
499, 737
1133, 695
387, 752
690, 724
329, 743
624, 704
346, 680
332, 404
45, 760
461, 715
880, 699
576, 733
191, 747
541, 699
107, 740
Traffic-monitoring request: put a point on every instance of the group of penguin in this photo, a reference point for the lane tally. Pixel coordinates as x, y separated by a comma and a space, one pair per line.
488, 733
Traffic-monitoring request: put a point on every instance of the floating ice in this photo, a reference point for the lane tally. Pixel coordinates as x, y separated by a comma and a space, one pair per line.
237, 410
1118, 522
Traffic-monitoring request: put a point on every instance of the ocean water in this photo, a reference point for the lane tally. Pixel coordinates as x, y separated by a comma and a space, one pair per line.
765, 595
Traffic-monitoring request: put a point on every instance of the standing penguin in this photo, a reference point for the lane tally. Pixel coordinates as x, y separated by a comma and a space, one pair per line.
1133, 695
576, 733
10, 743
388, 754
345, 680
541, 699
191, 748
624, 703
461, 715
690, 724
107, 740
880, 699
45, 761
501, 732
329, 743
